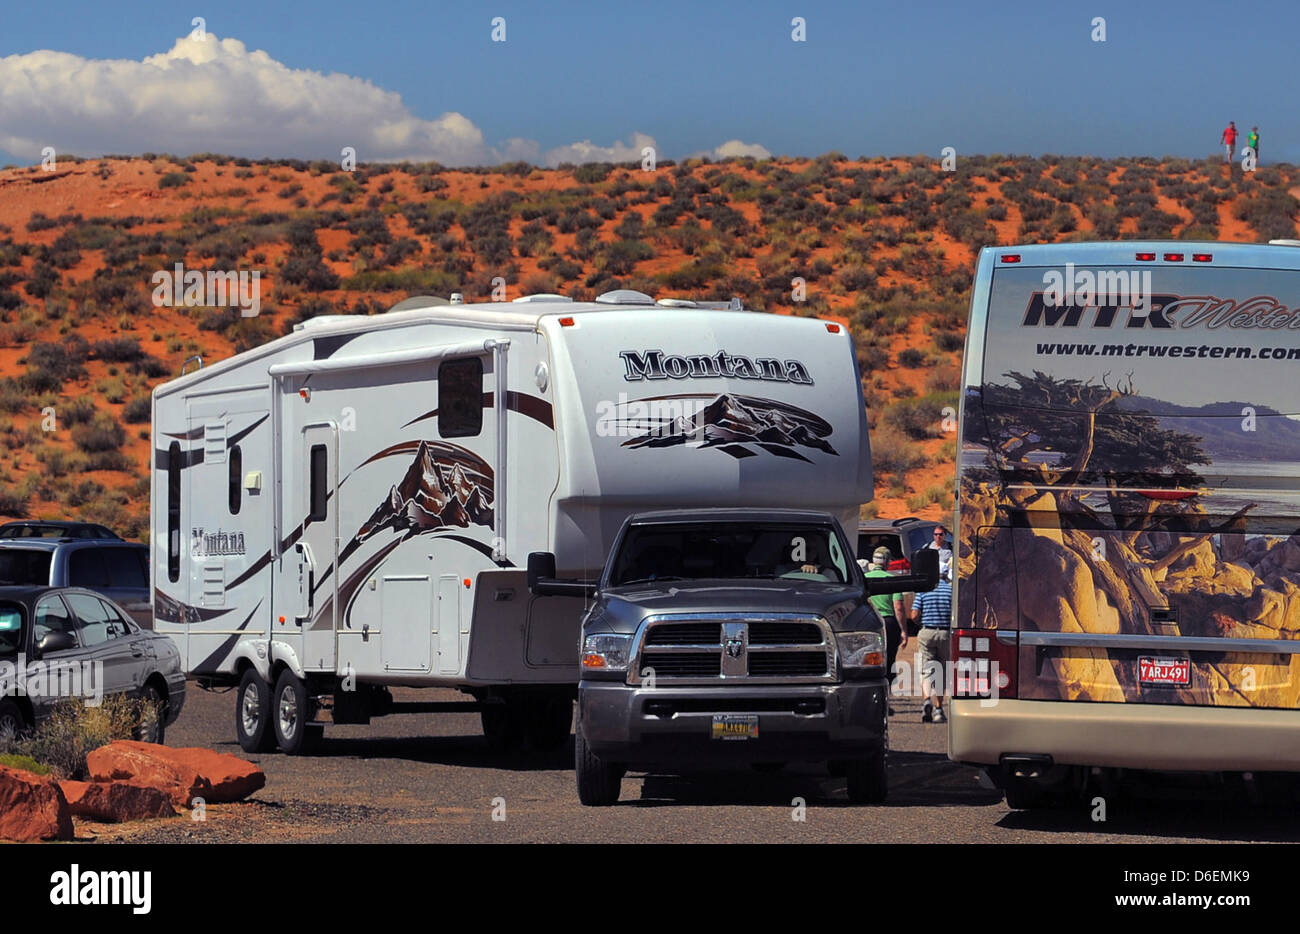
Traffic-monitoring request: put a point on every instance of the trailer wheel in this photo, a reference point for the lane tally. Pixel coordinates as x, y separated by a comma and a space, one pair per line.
868, 779
599, 782
289, 714
549, 720
253, 714
503, 727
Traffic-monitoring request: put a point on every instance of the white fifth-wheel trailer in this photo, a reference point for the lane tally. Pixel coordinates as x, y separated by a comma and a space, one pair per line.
351, 507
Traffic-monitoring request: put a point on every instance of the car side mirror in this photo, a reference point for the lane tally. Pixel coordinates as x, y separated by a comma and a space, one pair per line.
543, 583
56, 642
924, 576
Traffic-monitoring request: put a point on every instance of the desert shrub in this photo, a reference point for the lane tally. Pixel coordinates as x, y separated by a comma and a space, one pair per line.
137, 410
13, 504
948, 341
79, 411
592, 172
173, 180
921, 417
74, 730
25, 763
50, 366
945, 377
101, 434
893, 453
1270, 211
911, 358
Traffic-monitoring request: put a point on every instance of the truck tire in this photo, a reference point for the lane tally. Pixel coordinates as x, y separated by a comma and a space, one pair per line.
868, 780
503, 726
289, 712
548, 721
253, 713
599, 781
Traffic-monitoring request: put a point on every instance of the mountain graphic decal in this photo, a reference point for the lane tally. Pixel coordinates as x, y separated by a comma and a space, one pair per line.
737, 425
446, 486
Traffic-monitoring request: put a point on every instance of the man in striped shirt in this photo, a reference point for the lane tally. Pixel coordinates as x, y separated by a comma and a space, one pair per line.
933, 610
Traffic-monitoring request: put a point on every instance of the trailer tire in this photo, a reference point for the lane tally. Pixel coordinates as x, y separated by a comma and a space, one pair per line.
868, 779
599, 781
289, 712
253, 713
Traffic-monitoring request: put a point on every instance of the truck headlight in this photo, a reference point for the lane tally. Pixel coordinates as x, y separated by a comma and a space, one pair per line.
606, 652
861, 649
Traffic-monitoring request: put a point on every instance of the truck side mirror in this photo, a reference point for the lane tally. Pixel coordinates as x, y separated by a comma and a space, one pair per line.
542, 581
541, 564
924, 576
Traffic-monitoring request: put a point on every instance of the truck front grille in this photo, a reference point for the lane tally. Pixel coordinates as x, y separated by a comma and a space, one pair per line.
760, 648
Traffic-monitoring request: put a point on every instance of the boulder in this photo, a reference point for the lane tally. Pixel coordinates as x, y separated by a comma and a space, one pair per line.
32, 807
116, 801
185, 774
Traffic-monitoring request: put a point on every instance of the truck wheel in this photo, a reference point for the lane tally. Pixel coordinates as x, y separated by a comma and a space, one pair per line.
253, 713
549, 721
503, 727
598, 781
153, 713
289, 714
867, 779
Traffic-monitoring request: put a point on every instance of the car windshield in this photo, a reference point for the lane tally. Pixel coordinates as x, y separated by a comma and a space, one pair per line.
740, 550
11, 628
23, 566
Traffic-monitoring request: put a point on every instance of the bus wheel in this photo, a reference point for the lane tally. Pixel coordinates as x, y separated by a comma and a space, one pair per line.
253, 713
289, 711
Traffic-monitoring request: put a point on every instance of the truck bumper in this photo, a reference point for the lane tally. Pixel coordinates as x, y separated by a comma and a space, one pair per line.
674, 726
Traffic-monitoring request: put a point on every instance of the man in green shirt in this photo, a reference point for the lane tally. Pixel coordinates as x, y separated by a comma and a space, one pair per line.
889, 607
1252, 140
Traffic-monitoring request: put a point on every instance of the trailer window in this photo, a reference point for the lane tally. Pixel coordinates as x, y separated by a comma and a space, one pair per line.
235, 477
319, 463
174, 512
460, 398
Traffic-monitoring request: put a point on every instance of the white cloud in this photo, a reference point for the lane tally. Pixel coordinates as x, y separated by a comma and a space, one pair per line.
735, 149
215, 95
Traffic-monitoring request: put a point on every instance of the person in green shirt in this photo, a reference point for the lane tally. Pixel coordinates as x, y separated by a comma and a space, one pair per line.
1252, 140
889, 607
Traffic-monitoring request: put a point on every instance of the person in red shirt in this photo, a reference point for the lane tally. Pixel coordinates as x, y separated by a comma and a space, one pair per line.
1229, 139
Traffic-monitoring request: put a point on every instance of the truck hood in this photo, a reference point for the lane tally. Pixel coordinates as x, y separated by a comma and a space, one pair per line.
622, 609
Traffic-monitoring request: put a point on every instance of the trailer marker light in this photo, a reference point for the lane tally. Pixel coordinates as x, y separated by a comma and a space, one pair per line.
281, 620
833, 328
566, 322
1010, 257
305, 393
1173, 257
467, 583
1146, 257
1202, 257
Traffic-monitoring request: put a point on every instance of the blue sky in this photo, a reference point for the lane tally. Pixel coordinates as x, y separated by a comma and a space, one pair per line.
870, 79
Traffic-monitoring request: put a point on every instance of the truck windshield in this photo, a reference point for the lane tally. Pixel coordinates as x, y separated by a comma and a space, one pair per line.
734, 550
24, 566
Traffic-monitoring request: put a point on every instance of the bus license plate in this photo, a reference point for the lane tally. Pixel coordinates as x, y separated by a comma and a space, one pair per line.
735, 727
1172, 671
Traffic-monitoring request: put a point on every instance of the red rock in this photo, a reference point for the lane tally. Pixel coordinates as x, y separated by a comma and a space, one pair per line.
32, 807
185, 774
116, 801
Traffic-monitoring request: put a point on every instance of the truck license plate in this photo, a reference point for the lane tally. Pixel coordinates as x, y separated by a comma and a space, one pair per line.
1171, 671
735, 727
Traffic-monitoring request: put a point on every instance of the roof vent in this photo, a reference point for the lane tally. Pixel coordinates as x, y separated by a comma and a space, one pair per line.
1284, 243
543, 297
624, 297
419, 301
457, 298
676, 303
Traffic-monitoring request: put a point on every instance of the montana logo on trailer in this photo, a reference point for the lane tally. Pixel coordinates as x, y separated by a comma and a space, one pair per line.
653, 364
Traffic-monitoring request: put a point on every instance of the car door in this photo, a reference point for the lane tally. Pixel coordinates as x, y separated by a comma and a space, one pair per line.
104, 634
51, 614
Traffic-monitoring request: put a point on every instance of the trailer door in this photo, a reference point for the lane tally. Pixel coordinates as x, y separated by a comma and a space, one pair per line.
316, 552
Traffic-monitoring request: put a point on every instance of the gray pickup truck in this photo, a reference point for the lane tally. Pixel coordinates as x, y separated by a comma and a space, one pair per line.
721, 638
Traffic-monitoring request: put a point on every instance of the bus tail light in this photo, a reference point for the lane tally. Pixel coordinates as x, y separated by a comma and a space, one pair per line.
984, 663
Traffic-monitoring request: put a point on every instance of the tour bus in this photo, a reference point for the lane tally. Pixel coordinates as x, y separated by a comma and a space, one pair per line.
1127, 575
